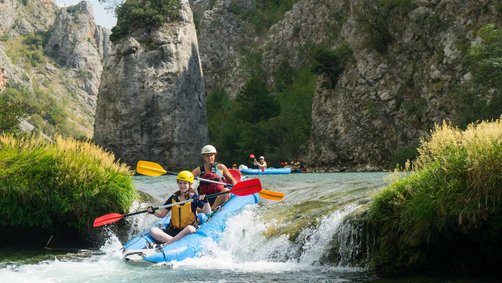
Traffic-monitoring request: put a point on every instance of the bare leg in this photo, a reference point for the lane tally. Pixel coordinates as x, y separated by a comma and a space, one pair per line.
162, 237
159, 235
221, 199
186, 231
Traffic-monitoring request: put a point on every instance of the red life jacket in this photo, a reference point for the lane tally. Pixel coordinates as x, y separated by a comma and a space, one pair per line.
206, 188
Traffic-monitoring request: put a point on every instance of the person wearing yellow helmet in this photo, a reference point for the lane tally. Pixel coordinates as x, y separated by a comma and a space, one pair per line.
215, 171
184, 216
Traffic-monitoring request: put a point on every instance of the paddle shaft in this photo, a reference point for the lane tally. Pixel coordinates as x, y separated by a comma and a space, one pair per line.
205, 180
176, 203
271, 195
241, 188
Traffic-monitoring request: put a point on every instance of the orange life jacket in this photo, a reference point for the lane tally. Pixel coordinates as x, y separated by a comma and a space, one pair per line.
182, 215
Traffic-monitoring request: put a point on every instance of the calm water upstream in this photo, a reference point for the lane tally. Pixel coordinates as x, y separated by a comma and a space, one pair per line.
245, 254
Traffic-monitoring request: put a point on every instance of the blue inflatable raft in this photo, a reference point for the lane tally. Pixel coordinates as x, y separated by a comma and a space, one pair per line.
141, 248
250, 171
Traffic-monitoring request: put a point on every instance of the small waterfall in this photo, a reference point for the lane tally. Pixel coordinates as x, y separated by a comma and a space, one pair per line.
244, 242
317, 242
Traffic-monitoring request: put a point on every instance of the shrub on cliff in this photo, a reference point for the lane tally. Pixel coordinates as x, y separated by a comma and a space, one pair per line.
447, 215
67, 183
143, 14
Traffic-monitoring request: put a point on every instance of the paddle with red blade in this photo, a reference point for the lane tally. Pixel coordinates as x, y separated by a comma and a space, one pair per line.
149, 168
236, 174
244, 188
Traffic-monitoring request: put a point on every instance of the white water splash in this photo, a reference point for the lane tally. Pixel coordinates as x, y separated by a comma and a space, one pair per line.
244, 248
70, 267
319, 238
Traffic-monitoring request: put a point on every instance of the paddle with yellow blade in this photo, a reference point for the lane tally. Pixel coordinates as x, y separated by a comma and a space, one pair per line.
149, 168
244, 188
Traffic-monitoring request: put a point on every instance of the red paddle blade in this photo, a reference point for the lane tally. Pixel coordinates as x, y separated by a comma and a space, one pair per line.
246, 187
236, 174
107, 219
251, 155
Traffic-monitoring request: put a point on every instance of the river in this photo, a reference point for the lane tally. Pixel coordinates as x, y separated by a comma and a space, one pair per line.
250, 252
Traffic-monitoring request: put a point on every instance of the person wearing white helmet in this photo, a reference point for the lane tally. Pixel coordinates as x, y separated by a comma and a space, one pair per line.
262, 164
215, 171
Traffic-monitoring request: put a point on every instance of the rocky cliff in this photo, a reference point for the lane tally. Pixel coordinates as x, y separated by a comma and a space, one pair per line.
25, 16
78, 43
222, 36
52, 62
403, 72
151, 99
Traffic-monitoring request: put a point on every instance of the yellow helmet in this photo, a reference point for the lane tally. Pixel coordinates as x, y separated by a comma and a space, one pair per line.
185, 176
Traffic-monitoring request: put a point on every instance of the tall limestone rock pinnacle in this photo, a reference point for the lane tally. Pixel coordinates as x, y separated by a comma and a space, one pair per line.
151, 102
78, 43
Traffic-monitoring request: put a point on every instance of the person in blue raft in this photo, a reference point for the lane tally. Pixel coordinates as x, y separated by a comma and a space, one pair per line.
212, 170
184, 220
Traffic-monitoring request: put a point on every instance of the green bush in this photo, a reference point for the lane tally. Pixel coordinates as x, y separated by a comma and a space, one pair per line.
331, 62
453, 196
68, 182
10, 112
27, 49
374, 20
480, 99
143, 14
263, 14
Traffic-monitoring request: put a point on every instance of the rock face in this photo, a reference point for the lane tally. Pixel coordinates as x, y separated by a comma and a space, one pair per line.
68, 35
25, 16
222, 35
389, 95
78, 43
387, 99
151, 102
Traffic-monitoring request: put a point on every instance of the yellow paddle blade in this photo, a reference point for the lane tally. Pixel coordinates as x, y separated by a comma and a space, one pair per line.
149, 168
271, 195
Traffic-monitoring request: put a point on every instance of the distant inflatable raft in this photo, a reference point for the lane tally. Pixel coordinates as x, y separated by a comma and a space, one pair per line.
266, 171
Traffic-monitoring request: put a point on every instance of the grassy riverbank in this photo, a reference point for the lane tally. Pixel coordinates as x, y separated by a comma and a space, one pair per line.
67, 183
447, 215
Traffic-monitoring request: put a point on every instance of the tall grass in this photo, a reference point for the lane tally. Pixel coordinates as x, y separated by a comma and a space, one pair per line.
454, 194
68, 182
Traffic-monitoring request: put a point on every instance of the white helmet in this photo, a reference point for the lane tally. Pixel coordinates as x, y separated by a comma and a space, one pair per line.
262, 158
208, 149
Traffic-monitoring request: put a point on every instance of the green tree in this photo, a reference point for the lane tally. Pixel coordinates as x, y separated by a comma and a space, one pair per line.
143, 14
255, 103
296, 114
485, 57
331, 62
481, 99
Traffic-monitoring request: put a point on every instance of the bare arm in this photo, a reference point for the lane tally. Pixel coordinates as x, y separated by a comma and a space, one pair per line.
196, 171
160, 213
226, 173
